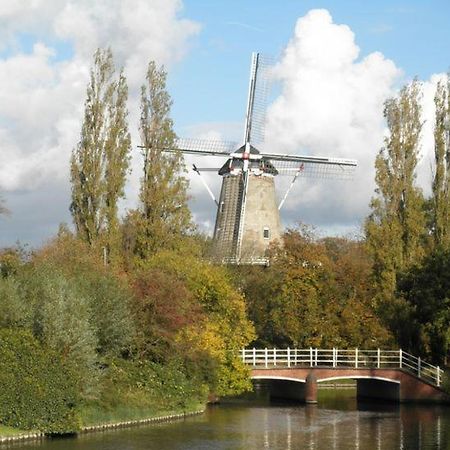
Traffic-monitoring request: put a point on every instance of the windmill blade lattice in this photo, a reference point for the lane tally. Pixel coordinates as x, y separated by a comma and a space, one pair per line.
205, 147
261, 71
314, 170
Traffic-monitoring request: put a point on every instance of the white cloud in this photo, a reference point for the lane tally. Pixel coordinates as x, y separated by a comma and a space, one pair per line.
425, 167
42, 92
331, 105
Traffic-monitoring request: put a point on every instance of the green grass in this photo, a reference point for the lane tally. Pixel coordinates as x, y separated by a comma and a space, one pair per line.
92, 415
10, 431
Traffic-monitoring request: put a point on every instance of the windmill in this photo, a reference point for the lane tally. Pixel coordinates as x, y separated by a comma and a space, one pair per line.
247, 218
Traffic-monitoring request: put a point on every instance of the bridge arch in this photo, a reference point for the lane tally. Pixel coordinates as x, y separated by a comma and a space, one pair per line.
359, 377
274, 377
283, 387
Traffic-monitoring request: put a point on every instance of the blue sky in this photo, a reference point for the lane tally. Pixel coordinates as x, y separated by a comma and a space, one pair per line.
46, 50
415, 34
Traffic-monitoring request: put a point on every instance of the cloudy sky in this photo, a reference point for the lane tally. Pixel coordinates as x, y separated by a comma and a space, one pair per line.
336, 63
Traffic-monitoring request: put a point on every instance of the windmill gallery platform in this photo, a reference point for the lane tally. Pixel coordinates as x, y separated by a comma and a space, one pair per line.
379, 374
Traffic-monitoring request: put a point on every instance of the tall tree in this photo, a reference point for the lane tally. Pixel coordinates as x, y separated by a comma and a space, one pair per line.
441, 181
3, 209
100, 161
425, 289
163, 215
396, 226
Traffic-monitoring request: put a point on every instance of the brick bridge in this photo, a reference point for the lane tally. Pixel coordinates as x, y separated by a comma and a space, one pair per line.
379, 374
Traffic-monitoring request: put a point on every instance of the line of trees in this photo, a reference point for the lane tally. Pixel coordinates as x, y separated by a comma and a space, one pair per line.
100, 164
408, 235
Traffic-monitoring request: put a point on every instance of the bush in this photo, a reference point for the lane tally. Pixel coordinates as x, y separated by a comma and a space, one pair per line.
39, 390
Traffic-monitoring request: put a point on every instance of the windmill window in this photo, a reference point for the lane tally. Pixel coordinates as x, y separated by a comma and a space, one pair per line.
222, 206
266, 233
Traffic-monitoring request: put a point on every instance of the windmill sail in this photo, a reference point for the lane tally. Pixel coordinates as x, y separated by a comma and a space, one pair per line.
259, 86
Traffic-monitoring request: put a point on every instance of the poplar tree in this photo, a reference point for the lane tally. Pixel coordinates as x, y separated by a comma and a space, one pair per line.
163, 216
100, 161
3, 209
441, 180
396, 226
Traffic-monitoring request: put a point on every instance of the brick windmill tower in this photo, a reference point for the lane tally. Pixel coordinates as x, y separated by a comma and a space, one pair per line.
248, 218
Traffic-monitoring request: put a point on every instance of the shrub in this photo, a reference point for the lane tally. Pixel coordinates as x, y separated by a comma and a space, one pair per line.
39, 390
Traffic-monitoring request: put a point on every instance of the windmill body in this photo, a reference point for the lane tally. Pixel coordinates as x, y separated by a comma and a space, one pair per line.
247, 218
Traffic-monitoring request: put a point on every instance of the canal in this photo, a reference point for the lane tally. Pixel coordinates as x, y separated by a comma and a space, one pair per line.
338, 421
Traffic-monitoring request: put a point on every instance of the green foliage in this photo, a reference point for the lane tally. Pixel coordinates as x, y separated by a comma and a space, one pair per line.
39, 389
215, 341
108, 297
60, 318
315, 293
100, 162
425, 289
163, 216
441, 181
15, 310
395, 229
147, 385
446, 382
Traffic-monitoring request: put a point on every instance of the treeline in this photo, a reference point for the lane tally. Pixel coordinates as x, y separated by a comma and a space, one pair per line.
81, 343
391, 288
407, 234
124, 318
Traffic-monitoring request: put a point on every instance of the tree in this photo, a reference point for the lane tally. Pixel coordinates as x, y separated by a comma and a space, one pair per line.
163, 215
441, 181
425, 290
212, 325
315, 293
396, 226
100, 161
3, 209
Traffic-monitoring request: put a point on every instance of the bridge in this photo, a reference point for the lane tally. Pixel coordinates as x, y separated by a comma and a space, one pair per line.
379, 374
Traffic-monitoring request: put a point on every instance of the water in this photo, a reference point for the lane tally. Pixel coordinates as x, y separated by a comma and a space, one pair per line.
338, 422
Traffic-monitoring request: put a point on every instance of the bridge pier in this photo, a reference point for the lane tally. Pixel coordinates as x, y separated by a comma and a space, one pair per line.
311, 388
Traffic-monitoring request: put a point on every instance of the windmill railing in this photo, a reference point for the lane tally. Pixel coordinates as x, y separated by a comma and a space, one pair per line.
343, 358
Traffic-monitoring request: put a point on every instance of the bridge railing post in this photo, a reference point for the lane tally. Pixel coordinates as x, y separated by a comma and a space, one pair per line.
356, 358
266, 357
310, 356
254, 356
400, 358
334, 357
316, 356
438, 376
274, 356
419, 368
289, 357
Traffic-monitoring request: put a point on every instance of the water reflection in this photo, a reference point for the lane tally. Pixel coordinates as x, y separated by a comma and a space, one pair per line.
337, 422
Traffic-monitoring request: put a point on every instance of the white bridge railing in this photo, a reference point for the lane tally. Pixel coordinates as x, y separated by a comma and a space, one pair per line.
354, 358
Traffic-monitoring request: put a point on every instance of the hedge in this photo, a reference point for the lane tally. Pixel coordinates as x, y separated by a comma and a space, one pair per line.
38, 389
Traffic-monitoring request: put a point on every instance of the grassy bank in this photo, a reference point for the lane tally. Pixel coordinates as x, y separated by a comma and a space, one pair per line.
92, 416
10, 431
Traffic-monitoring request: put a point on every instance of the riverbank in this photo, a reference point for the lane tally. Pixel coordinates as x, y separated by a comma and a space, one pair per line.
10, 435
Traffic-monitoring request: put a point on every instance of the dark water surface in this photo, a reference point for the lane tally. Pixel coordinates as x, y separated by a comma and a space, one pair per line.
337, 422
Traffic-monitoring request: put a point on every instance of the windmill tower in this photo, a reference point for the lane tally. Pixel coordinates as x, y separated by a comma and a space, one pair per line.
247, 218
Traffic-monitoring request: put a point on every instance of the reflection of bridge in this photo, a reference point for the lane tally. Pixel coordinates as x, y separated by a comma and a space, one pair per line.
382, 374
